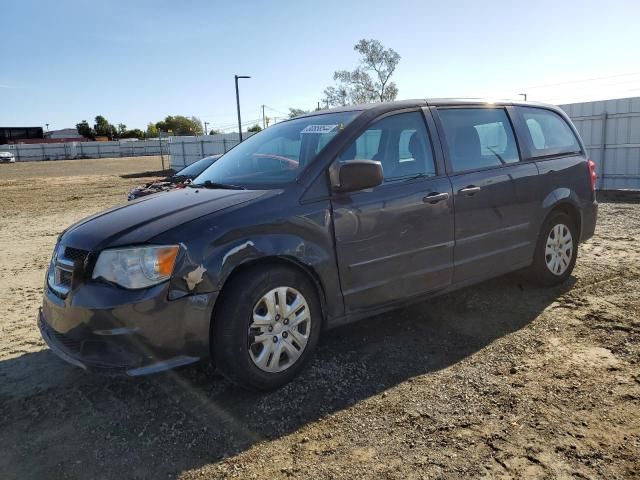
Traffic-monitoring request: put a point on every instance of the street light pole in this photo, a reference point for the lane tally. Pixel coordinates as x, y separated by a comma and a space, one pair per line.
161, 152
205, 128
238, 104
523, 95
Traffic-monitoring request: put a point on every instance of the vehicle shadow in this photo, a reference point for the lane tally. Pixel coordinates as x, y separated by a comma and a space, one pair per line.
80, 424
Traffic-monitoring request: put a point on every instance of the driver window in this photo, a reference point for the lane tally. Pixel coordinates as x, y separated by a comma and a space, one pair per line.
400, 143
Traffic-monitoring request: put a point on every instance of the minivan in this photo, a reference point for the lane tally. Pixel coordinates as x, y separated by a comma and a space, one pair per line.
317, 221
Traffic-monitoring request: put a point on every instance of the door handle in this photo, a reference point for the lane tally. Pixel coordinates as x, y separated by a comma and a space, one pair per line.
435, 197
470, 190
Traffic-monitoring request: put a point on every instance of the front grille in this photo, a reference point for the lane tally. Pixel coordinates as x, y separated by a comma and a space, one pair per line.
69, 264
76, 255
64, 277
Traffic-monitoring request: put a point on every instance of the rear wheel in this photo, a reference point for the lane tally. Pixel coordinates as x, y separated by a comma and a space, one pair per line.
266, 328
556, 250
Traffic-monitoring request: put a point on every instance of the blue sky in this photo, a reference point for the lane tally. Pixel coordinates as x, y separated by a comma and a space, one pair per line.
137, 61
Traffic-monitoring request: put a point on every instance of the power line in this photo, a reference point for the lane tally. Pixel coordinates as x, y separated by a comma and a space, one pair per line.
274, 110
583, 96
233, 126
569, 82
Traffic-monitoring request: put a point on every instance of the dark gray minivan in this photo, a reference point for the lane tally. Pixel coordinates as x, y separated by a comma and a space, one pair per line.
317, 221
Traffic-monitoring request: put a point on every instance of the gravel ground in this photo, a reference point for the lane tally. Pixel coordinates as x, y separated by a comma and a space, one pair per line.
500, 380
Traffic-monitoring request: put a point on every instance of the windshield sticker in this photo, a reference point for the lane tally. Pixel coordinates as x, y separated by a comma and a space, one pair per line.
318, 128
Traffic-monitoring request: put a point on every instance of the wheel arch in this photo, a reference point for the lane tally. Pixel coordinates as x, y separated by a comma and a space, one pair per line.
568, 209
565, 201
271, 261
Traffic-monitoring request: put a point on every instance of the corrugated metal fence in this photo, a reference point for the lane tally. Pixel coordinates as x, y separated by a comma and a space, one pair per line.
183, 150
72, 150
186, 150
610, 130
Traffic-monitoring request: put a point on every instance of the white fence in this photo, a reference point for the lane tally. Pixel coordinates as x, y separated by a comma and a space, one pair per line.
186, 150
183, 150
72, 150
610, 130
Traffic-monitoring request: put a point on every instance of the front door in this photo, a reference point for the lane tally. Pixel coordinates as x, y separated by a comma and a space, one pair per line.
394, 241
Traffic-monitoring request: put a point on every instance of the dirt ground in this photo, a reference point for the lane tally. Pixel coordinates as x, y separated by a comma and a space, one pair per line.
500, 380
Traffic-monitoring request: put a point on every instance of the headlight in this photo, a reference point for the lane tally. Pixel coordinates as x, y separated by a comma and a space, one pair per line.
136, 267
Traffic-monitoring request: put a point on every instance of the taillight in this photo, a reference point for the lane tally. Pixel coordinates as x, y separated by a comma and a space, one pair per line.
592, 174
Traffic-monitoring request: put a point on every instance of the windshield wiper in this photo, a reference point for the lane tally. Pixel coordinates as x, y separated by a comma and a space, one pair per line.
213, 185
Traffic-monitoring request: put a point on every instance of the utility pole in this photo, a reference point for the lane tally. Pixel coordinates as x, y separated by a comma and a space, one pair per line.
238, 104
161, 153
206, 131
264, 125
318, 105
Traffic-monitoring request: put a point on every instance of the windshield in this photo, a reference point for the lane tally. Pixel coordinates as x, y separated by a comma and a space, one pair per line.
196, 168
278, 154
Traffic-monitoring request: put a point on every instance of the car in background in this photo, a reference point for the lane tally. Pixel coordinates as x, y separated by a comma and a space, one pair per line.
178, 180
7, 157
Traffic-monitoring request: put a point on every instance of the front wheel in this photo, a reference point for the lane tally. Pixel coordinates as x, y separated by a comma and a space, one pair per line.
266, 328
556, 250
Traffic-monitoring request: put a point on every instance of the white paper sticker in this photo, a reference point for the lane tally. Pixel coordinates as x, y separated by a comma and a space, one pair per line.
318, 128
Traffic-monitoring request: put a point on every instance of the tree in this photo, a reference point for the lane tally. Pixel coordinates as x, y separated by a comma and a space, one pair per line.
152, 131
370, 81
85, 130
104, 129
122, 128
256, 128
135, 133
296, 112
180, 125
215, 132
336, 96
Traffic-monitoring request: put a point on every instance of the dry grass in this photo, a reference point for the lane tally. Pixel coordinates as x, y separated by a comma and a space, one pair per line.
501, 380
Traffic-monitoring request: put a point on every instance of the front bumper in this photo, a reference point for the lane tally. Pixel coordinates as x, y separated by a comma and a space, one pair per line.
135, 332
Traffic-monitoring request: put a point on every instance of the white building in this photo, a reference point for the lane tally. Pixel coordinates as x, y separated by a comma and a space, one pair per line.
63, 133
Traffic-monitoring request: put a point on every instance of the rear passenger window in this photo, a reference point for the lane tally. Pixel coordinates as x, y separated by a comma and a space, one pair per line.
549, 133
478, 137
400, 143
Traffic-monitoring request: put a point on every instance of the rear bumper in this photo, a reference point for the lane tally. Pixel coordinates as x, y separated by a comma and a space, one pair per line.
589, 218
144, 335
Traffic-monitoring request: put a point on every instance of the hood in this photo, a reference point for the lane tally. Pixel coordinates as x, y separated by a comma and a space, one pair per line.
143, 219
6, 154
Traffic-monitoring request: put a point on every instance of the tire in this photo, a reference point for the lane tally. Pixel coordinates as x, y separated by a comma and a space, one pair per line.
243, 318
551, 267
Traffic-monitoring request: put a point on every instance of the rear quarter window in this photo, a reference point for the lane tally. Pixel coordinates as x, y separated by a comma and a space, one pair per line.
548, 133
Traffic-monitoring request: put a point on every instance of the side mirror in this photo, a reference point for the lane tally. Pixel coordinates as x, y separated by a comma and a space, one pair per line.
357, 175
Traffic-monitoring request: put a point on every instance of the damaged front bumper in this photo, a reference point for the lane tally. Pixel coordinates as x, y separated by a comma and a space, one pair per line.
135, 332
